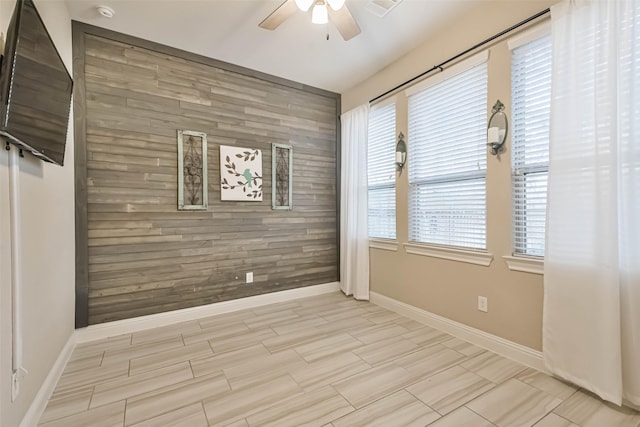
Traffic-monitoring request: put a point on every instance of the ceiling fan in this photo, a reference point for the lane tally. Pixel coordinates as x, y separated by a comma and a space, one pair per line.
323, 10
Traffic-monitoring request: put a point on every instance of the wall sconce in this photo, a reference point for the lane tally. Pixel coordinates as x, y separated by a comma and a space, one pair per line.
401, 153
497, 128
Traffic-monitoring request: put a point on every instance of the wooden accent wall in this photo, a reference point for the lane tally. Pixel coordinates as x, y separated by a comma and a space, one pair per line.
143, 256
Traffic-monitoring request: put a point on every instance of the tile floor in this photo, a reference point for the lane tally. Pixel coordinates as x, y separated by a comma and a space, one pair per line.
323, 361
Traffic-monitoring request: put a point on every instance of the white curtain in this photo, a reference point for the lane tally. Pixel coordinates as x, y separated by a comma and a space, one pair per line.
354, 239
591, 322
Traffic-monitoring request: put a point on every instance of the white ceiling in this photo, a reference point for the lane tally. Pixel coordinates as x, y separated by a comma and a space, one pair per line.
298, 50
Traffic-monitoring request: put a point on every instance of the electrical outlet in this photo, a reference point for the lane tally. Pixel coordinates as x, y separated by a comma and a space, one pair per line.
483, 304
250, 277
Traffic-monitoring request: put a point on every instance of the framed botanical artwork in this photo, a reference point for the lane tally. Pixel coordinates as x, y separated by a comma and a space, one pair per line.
281, 177
192, 170
240, 174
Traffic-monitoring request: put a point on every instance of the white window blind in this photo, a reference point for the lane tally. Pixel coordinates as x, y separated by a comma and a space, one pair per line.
531, 103
381, 172
447, 161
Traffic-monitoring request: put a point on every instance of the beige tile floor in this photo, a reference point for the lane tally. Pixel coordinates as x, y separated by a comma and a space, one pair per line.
323, 361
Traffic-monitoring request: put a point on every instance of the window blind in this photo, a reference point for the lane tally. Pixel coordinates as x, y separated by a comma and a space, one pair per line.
447, 161
381, 172
531, 106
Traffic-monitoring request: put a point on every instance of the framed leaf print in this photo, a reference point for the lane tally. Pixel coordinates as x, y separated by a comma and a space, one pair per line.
240, 174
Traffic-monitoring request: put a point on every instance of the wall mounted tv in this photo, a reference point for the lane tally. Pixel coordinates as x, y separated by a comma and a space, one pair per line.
35, 87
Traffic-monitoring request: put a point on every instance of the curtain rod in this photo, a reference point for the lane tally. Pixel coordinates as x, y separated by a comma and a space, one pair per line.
453, 58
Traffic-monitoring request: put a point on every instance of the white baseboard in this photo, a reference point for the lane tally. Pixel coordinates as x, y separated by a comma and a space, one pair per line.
127, 326
39, 402
514, 351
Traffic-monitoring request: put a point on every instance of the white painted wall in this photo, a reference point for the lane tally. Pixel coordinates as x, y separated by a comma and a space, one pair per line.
48, 244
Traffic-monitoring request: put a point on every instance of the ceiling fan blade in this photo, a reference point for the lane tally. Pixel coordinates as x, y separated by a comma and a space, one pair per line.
278, 16
342, 19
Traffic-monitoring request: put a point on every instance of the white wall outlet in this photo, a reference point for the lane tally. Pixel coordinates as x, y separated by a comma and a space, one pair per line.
250, 277
483, 304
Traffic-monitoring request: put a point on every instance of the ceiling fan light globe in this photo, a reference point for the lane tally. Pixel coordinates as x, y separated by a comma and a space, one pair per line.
336, 4
320, 15
304, 5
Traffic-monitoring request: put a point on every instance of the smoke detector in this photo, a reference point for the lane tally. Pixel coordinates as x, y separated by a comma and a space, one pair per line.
380, 8
105, 11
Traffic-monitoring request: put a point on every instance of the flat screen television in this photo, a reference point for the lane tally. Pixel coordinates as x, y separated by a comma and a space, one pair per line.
35, 87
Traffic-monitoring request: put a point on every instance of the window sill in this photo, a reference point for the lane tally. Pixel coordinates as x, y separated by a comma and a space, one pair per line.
453, 254
525, 264
384, 244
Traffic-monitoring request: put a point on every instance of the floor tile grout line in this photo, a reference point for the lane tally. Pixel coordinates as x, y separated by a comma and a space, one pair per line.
465, 405
293, 396
392, 362
122, 351
211, 347
549, 411
204, 411
491, 389
267, 407
410, 352
424, 403
124, 413
432, 408
522, 382
476, 373
157, 415
373, 401
576, 389
193, 374
111, 380
382, 396
81, 412
93, 392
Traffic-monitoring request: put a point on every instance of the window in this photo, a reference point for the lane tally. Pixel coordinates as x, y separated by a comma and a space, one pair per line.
381, 172
447, 158
531, 101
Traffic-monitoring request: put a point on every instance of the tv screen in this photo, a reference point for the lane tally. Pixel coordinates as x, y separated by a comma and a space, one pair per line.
35, 87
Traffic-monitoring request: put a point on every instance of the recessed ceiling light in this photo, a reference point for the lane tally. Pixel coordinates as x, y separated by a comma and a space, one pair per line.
105, 11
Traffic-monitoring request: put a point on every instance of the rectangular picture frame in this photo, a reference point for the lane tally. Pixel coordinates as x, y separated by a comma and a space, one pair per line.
240, 174
281, 177
192, 171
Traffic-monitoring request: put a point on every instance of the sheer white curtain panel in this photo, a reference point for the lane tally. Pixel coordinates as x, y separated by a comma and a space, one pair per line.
354, 238
591, 321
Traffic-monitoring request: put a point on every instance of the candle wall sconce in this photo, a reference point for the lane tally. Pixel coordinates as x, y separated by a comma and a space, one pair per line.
401, 153
497, 128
